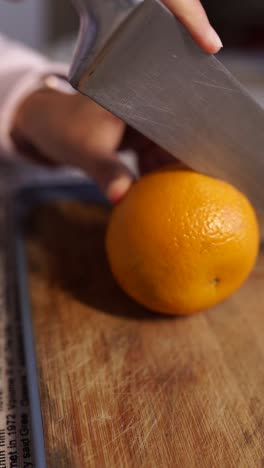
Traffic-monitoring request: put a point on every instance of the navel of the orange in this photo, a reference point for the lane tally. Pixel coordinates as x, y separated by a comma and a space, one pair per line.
181, 242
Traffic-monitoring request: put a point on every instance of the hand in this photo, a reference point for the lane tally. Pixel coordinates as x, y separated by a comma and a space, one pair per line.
55, 128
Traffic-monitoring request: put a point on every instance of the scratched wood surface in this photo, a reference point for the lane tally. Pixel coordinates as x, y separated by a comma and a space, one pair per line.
121, 387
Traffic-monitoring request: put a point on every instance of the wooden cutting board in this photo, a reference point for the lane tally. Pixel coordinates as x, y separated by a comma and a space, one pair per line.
121, 387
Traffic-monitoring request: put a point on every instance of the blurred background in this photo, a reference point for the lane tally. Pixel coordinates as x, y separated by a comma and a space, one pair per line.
240, 23
52, 25
38, 23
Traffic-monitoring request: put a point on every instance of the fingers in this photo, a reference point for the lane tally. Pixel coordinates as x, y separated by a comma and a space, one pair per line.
192, 14
110, 174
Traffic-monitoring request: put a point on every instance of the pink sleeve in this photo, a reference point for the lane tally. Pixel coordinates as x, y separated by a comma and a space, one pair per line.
21, 73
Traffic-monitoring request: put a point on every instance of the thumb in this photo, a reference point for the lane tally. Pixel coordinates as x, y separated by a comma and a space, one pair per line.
111, 175
192, 14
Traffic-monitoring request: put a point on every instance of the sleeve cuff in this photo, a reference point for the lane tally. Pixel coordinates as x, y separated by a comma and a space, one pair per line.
23, 86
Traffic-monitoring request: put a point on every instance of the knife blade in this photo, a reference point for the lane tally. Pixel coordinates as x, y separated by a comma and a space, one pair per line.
152, 75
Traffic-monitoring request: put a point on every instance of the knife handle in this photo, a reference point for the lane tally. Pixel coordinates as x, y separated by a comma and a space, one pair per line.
98, 21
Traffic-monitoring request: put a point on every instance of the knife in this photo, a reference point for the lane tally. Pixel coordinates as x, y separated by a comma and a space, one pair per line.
137, 60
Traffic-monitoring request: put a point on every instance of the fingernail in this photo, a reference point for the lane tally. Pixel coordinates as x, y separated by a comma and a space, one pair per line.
215, 40
118, 188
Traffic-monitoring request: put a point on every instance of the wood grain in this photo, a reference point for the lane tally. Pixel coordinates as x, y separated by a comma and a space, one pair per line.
121, 387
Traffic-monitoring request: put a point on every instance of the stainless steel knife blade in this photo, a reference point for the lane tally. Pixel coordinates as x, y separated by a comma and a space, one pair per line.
151, 74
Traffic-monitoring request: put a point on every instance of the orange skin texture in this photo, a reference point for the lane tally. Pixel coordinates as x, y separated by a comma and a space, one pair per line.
181, 242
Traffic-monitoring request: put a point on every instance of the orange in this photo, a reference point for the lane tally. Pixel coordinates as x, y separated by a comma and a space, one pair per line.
181, 242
